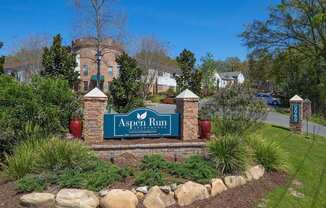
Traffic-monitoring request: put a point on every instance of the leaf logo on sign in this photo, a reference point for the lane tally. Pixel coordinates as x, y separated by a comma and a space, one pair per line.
141, 116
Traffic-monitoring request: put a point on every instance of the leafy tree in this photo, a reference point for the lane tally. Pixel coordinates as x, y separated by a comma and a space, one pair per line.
126, 88
233, 64
295, 31
196, 81
260, 63
59, 62
189, 78
28, 54
238, 109
152, 58
2, 61
208, 68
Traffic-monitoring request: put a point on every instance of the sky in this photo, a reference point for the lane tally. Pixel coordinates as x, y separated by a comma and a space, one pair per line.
198, 25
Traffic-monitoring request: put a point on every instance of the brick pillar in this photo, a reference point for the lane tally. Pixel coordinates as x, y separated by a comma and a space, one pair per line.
187, 106
296, 114
94, 108
306, 109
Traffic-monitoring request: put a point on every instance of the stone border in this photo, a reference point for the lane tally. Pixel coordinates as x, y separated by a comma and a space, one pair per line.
154, 197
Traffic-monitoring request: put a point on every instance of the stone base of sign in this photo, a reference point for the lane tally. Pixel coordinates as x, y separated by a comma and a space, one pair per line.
296, 117
94, 108
174, 150
187, 106
297, 128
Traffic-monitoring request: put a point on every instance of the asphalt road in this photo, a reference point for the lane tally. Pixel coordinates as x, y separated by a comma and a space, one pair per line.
272, 118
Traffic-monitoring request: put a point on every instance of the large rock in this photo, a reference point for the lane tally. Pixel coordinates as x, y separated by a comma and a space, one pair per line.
156, 198
142, 189
38, 200
234, 181
189, 192
76, 198
217, 186
256, 172
119, 198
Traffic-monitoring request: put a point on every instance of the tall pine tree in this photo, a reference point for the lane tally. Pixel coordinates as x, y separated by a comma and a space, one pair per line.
126, 88
59, 62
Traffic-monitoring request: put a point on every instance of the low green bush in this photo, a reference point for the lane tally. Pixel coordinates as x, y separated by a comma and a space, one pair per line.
23, 159
154, 161
150, 177
98, 178
194, 168
37, 155
62, 162
268, 154
152, 167
229, 154
31, 183
61, 153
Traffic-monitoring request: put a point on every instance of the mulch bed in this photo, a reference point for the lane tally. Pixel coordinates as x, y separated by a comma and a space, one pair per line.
9, 198
247, 196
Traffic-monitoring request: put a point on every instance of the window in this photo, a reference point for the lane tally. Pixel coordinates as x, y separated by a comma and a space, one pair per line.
110, 71
85, 86
76, 87
85, 70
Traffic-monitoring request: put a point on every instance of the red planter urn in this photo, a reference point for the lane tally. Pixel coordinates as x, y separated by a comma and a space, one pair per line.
205, 129
75, 127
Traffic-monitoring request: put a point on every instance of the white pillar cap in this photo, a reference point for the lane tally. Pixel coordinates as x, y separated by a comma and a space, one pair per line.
296, 98
187, 94
95, 93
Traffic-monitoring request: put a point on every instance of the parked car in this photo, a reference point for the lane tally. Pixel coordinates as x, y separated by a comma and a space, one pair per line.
269, 99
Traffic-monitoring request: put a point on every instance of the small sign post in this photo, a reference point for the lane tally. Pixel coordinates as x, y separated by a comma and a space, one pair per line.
141, 123
296, 114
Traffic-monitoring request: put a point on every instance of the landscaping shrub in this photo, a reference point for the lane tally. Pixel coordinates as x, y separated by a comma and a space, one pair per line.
268, 154
237, 109
36, 155
23, 159
229, 154
66, 163
194, 168
61, 153
150, 177
152, 167
44, 104
154, 161
93, 179
31, 183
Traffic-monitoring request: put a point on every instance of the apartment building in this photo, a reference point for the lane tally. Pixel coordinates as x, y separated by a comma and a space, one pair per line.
85, 49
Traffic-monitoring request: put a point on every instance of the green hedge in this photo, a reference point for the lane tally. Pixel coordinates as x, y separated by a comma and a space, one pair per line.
42, 107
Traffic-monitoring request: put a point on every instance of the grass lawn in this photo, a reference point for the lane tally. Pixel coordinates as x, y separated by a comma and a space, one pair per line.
318, 119
306, 163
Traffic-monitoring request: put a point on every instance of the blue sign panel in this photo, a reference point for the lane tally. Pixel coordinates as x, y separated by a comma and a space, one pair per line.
141, 122
295, 113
